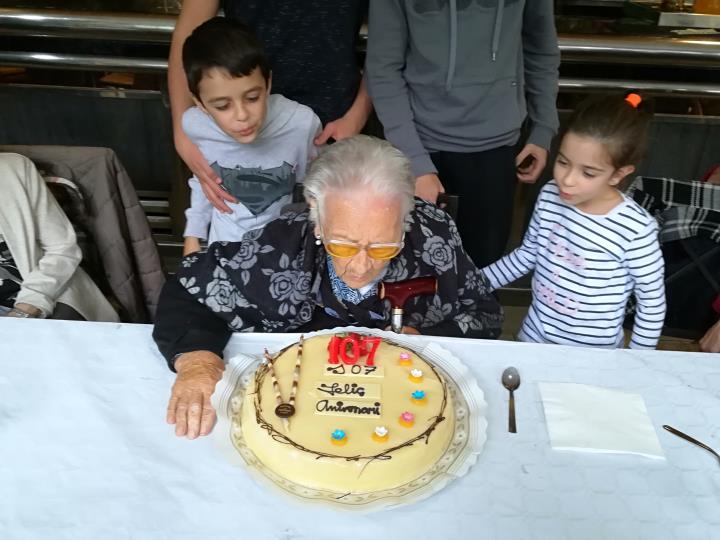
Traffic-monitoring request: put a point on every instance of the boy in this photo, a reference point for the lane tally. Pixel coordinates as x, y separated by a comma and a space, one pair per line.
258, 144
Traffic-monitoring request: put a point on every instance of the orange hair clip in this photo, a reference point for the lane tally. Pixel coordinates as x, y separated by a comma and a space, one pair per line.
634, 100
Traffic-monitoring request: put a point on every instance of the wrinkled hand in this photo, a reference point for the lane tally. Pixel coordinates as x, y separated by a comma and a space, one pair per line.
342, 128
531, 174
710, 342
428, 187
189, 408
199, 166
20, 310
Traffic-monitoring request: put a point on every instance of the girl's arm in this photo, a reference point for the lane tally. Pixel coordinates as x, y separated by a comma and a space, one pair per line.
520, 261
647, 269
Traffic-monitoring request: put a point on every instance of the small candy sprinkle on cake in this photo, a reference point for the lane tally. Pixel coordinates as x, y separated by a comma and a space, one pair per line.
339, 437
407, 419
418, 397
381, 434
416, 375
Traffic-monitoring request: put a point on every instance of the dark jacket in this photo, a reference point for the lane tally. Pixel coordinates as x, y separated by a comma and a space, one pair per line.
276, 280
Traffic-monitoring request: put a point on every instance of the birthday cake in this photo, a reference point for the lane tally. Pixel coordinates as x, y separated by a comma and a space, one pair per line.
347, 414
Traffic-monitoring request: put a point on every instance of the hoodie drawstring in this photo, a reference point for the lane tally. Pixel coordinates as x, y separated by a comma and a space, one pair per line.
497, 28
452, 57
452, 54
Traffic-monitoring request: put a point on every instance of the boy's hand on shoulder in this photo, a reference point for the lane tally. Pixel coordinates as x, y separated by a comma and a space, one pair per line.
199, 166
530, 170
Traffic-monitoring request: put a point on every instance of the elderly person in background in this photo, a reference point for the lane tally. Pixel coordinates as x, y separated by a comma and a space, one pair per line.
39, 256
320, 269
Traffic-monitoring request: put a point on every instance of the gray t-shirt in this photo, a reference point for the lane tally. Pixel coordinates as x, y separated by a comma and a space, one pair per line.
261, 174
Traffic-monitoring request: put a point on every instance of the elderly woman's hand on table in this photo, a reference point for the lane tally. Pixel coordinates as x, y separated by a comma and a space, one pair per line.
189, 409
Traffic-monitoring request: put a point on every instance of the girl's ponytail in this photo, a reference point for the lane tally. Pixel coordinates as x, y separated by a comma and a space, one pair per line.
633, 99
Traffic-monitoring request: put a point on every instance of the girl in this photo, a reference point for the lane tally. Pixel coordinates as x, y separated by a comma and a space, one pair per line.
589, 245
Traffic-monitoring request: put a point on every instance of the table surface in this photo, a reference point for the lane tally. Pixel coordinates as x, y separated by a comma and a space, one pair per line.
85, 451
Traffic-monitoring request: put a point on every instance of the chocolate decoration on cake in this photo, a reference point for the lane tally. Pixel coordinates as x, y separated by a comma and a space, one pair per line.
276, 388
284, 410
296, 374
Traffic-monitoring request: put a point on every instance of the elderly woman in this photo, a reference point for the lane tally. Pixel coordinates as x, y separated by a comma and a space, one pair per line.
320, 269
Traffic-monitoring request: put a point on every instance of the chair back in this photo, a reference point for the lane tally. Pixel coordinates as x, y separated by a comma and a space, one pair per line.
688, 214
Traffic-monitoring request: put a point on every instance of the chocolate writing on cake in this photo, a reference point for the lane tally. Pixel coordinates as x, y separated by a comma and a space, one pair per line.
342, 389
355, 369
362, 390
347, 408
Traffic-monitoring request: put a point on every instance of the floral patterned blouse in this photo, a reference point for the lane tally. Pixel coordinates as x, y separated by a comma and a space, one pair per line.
276, 280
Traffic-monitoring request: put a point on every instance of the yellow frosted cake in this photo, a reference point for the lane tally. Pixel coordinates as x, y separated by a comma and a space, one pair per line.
365, 415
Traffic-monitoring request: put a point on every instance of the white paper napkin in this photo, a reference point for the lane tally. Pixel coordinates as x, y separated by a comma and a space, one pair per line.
592, 419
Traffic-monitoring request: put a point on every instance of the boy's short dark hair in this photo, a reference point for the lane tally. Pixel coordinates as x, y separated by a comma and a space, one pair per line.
225, 44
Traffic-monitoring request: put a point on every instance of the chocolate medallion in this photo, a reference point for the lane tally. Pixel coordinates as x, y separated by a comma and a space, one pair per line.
284, 410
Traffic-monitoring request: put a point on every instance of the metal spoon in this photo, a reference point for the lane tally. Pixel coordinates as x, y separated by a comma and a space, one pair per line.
511, 381
688, 438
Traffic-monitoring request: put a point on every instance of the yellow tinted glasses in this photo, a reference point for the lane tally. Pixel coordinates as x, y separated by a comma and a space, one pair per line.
344, 250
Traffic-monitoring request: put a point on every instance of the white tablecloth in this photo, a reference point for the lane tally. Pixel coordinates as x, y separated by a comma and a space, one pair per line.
85, 451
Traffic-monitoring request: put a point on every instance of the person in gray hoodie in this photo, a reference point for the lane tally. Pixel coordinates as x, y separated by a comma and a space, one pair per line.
258, 144
452, 82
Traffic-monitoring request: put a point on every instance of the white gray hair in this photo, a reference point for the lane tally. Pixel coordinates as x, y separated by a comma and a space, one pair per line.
360, 163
